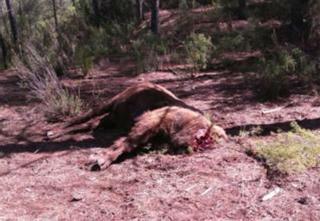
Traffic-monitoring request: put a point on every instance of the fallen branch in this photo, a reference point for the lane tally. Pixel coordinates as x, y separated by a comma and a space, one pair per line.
272, 110
272, 194
206, 191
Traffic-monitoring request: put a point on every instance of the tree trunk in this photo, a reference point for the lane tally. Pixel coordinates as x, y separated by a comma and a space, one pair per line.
300, 23
242, 9
3, 52
54, 7
4, 21
155, 16
96, 10
139, 6
13, 21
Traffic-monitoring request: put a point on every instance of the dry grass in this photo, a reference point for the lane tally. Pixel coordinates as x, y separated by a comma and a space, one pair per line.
39, 77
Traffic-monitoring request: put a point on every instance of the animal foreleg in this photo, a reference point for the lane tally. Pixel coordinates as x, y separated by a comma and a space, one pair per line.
108, 156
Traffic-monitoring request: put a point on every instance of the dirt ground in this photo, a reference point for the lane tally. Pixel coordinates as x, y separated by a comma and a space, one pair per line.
43, 180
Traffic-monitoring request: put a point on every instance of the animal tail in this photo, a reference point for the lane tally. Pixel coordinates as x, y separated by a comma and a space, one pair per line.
79, 124
89, 115
65, 132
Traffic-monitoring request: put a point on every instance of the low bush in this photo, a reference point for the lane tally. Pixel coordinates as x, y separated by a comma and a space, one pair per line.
274, 72
148, 53
277, 67
306, 66
291, 152
198, 49
233, 42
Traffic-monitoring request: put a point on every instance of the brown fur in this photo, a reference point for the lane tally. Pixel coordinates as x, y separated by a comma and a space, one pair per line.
182, 126
124, 108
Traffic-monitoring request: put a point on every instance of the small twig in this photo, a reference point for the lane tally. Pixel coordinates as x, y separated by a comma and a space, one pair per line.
173, 71
272, 110
206, 191
37, 150
272, 194
191, 187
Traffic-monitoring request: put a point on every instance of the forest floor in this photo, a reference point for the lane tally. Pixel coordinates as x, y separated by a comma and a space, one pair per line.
43, 180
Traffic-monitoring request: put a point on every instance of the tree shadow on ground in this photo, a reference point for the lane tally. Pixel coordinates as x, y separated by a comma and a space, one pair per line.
10, 92
267, 129
24, 143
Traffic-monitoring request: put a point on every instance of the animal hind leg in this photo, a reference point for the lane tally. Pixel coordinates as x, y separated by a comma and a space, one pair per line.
141, 133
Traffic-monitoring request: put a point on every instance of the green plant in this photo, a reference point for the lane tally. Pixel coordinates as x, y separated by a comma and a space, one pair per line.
198, 48
233, 42
258, 37
148, 52
306, 67
274, 72
277, 67
84, 59
291, 152
255, 131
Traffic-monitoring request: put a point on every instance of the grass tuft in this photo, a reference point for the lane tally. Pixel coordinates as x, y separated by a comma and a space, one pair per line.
39, 77
291, 152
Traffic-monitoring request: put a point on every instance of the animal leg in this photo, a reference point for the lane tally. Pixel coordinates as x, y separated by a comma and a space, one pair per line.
108, 156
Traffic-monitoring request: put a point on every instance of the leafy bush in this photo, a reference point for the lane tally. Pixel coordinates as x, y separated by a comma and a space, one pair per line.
198, 49
233, 42
84, 59
148, 52
93, 43
226, 5
306, 67
277, 67
260, 37
79, 51
274, 72
119, 36
77, 41
95, 46
292, 152
187, 4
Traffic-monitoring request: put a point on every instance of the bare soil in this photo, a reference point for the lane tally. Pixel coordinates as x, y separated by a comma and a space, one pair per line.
42, 180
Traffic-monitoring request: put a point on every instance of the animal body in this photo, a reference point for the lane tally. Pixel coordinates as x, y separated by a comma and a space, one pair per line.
145, 111
122, 110
183, 128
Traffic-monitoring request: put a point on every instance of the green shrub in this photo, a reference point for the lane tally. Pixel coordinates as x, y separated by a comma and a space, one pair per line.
148, 52
277, 67
187, 4
84, 59
259, 37
198, 49
274, 72
291, 152
306, 67
233, 42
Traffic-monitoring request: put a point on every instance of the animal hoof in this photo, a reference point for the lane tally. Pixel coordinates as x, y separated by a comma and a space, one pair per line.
97, 164
50, 134
94, 167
